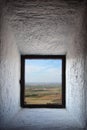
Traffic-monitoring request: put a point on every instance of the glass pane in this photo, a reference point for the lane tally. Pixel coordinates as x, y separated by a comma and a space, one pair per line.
43, 81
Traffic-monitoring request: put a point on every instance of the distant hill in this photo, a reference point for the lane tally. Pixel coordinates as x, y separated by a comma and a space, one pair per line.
43, 85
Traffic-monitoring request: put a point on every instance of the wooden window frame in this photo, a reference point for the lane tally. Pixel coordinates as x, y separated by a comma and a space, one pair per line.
22, 81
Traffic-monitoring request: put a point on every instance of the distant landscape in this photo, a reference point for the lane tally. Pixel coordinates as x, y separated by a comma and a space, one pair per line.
40, 93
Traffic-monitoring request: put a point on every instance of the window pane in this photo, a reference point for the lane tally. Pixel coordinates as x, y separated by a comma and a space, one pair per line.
43, 81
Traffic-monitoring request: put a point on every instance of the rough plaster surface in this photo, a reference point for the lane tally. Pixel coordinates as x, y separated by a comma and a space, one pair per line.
44, 27
85, 74
86, 85
45, 118
9, 75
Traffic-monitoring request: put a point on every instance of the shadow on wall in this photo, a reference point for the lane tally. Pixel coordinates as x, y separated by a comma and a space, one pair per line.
31, 128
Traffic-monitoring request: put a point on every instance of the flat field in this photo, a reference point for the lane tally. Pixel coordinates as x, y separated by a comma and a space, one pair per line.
43, 94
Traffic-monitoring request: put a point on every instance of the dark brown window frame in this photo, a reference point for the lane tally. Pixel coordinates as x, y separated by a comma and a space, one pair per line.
22, 81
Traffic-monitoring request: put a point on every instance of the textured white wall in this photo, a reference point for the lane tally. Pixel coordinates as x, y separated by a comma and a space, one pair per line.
86, 85
85, 75
9, 74
46, 27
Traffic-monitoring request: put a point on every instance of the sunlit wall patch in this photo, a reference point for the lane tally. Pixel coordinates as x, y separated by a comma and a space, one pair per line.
43, 81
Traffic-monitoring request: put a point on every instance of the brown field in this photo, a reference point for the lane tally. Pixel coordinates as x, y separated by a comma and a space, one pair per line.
43, 95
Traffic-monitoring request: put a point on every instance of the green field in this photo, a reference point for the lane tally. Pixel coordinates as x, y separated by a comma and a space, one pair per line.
43, 94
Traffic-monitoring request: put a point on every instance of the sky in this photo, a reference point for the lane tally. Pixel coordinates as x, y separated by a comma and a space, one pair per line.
43, 71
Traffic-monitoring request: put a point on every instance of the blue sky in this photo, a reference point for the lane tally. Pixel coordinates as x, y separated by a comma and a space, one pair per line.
43, 71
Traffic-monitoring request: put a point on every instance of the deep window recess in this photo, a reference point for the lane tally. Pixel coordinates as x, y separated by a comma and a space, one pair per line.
43, 81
